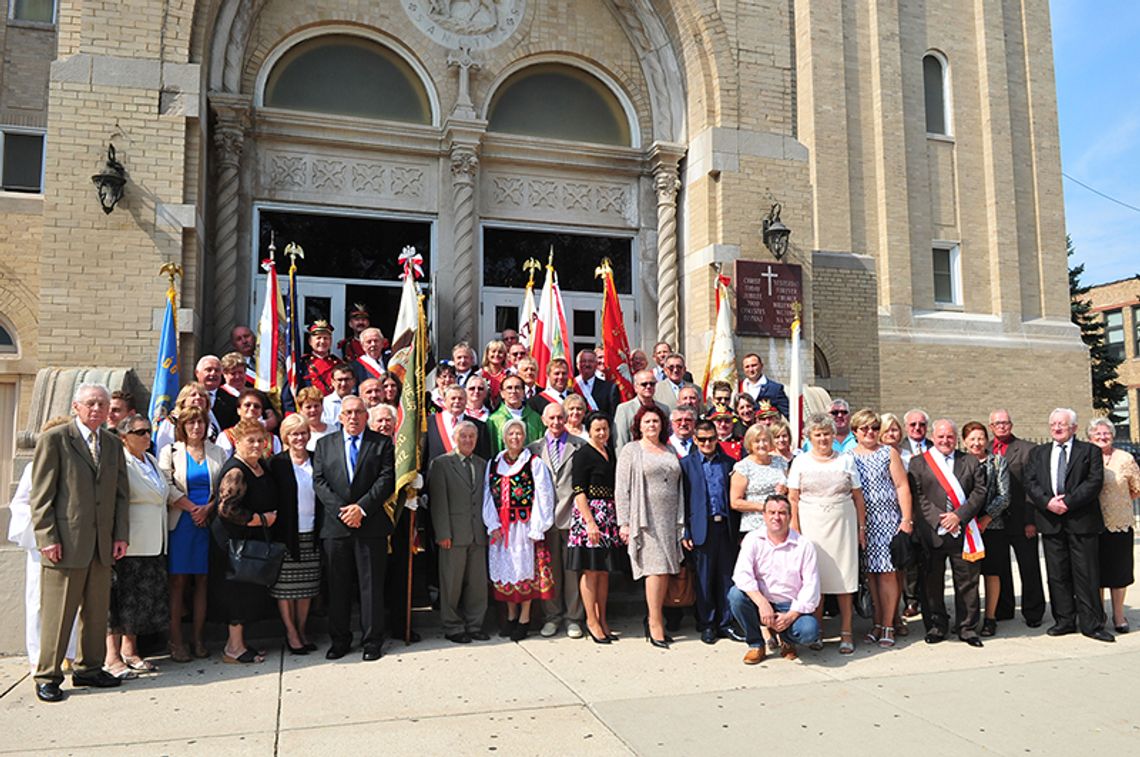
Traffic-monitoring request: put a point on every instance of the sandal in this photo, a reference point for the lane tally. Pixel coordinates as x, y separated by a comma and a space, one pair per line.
123, 674
888, 639
178, 653
139, 664
846, 646
874, 634
245, 658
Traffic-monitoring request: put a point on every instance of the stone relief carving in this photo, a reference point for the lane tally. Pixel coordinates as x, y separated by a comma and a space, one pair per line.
474, 24
296, 172
594, 198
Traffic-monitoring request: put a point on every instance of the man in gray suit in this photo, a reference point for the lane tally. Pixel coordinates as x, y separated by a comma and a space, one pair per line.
556, 448
79, 506
670, 387
455, 486
644, 384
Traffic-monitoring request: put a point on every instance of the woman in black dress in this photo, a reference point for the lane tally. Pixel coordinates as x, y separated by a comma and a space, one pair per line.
247, 502
594, 540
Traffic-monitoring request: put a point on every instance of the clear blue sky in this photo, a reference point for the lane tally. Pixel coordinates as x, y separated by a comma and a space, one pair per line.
1096, 46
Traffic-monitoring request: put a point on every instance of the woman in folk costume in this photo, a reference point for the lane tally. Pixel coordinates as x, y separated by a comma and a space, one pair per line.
518, 508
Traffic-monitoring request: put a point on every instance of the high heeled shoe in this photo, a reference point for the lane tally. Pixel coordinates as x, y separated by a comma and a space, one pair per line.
659, 643
597, 639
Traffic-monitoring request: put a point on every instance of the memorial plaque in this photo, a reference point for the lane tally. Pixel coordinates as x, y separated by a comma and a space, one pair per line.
765, 293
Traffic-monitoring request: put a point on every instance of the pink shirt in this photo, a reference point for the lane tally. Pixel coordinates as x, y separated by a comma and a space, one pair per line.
781, 572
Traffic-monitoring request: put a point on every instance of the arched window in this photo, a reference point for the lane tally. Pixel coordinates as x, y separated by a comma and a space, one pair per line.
558, 101
936, 82
822, 368
347, 75
7, 341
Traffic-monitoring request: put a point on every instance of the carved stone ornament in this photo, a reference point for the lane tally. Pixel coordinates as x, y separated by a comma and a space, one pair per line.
474, 24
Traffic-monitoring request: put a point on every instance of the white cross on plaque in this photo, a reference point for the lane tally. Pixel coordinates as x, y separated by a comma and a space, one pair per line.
770, 276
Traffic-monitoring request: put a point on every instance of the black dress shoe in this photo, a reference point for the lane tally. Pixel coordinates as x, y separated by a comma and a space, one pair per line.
603, 639
989, 627
1101, 635
508, 628
1122, 628
310, 647
478, 636
372, 652
973, 641
1058, 630
934, 637
709, 636
301, 650
658, 643
520, 631
49, 692
730, 632
1036, 623
335, 652
99, 679
458, 638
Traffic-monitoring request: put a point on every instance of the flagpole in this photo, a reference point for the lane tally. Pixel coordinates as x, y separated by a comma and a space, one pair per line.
795, 380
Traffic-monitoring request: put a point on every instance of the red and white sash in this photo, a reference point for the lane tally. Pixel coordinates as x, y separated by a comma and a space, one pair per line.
250, 375
580, 388
550, 395
443, 435
230, 390
972, 547
375, 370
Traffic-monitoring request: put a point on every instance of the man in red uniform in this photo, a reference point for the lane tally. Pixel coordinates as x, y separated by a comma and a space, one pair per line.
317, 364
358, 321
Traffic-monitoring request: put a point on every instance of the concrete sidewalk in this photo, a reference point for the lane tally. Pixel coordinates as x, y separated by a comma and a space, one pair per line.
1024, 693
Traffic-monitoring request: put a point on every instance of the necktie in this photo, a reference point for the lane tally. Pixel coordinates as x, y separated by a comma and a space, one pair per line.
93, 446
470, 470
1062, 463
353, 452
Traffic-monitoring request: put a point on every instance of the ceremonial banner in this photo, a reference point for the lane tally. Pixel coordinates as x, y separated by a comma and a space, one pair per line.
795, 380
551, 336
614, 337
165, 387
271, 335
293, 347
407, 363
721, 364
529, 315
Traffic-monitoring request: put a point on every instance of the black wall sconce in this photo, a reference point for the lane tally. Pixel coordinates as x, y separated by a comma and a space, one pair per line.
776, 233
110, 181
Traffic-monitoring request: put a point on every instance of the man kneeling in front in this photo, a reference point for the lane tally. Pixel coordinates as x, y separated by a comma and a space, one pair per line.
776, 584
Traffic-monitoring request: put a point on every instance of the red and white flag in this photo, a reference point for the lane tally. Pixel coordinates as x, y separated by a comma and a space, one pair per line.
271, 334
551, 337
614, 339
721, 364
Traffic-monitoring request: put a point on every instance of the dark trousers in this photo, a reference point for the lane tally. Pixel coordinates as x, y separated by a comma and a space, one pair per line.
1074, 580
967, 600
713, 563
365, 560
1032, 590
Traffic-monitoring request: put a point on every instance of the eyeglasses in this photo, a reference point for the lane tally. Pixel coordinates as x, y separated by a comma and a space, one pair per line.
476, 388
139, 432
648, 383
872, 427
839, 412
1001, 423
920, 424
705, 439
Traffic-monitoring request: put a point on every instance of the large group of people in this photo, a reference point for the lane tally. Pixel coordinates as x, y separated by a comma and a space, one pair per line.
531, 497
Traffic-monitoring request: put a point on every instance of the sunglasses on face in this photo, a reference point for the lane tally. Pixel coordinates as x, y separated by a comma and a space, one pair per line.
838, 412
920, 424
872, 427
705, 439
139, 432
648, 383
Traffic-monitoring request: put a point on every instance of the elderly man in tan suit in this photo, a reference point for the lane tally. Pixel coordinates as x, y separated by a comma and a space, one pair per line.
79, 506
455, 486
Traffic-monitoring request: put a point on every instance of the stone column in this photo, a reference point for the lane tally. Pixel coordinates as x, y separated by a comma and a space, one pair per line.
231, 123
666, 184
464, 137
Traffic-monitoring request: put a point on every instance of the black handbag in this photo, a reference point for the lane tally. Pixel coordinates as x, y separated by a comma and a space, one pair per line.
902, 550
254, 561
864, 607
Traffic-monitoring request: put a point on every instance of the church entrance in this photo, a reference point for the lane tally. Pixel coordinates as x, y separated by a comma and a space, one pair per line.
350, 259
577, 255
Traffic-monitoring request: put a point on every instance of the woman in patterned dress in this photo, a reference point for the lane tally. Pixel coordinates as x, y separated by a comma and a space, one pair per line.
886, 493
757, 476
518, 508
594, 537
827, 507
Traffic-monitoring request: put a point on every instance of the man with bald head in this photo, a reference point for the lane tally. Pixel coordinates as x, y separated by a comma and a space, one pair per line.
644, 387
556, 448
208, 373
949, 488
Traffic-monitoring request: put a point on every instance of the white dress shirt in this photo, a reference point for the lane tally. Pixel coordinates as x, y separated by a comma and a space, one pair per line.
1054, 453
346, 439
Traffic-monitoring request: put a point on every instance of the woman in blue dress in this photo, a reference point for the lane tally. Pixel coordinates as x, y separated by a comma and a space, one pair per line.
192, 465
886, 493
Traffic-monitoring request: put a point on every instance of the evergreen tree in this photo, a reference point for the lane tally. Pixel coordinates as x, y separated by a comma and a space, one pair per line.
1107, 392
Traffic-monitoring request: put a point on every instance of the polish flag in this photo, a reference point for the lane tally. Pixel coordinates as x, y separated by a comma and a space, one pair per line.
551, 338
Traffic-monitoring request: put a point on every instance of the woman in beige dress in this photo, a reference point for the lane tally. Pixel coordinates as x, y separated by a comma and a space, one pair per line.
649, 499
1121, 486
827, 507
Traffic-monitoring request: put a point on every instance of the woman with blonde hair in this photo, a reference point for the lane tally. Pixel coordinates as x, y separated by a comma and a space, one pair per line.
494, 368
193, 394
576, 411
1121, 486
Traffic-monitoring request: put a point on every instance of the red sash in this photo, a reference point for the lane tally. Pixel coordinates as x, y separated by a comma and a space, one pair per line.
371, 366
441, 427
229, 390
550, 396
972, 547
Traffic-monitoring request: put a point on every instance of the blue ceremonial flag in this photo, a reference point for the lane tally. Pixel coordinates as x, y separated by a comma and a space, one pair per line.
165, 387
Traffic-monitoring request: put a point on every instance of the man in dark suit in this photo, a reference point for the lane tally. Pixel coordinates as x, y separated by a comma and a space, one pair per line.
915, 423
710, 532
79, 504
441, 427
760, 387
600, 395
1020, 525
373, 358
1063, 484
223, 406
354, 474
556, 448
950, 490
455, 486
557, 385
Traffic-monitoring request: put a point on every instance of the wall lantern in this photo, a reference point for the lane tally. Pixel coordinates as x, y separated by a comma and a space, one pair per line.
110, 181
776, 233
